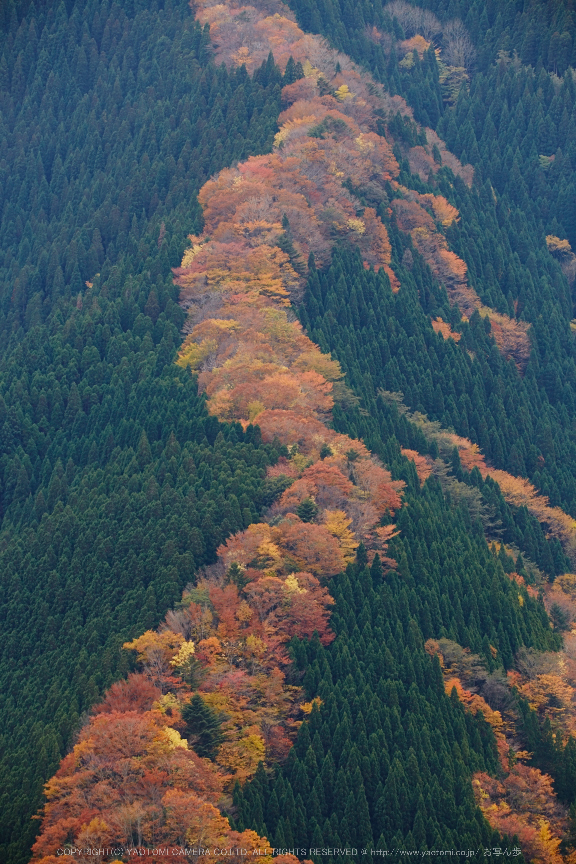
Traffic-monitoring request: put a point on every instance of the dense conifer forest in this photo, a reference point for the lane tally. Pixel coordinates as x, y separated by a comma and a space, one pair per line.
287, 417
515, 124
116, 485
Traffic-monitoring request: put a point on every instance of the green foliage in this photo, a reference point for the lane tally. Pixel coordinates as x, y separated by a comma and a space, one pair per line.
347, 26
560, 618
386, 341
236, 575
148, 121
101, 552
542, 33
273, 487
115, 484
307, 510
512, 117
515, 125
203, 727
385, 762
405, 130
551, 754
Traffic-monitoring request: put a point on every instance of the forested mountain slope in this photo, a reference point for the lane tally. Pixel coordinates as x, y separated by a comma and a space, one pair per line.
115, 483
425, 654
515, 124
383, 616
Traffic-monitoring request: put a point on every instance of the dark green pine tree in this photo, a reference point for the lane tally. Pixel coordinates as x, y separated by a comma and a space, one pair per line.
236, 575
203, 727
307, 510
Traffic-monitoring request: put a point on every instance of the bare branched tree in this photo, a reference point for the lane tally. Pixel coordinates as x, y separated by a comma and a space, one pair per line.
531, 663
496, 691
414, 20
458, 47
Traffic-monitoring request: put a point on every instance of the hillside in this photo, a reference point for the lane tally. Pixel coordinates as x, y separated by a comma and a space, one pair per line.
276, 423
502, 98
115, 483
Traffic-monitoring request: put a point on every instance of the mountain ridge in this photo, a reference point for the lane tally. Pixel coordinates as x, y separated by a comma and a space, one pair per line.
251, 291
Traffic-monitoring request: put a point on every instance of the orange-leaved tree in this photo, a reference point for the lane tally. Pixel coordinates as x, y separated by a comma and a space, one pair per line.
132, 781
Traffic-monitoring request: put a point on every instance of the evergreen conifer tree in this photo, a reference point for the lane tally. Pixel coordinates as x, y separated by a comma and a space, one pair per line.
307, 510
203, 727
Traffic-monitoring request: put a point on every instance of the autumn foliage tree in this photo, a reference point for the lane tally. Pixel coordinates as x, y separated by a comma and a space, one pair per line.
518, 491
524, 805
132, 781
521, 801
211, 701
